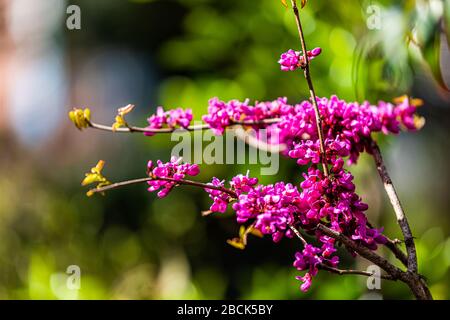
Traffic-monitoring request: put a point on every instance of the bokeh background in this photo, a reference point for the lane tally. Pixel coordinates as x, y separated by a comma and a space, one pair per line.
128, 244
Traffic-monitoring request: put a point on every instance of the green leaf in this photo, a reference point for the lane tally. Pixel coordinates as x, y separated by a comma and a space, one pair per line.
237, 243
95, 175
81, 118
434, 47
120, 118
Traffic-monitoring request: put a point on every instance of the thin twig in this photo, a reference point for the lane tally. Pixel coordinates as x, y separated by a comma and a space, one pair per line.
298, 234
392, 245
178, 182
354, 272
307, 74
134, 129
398, 253
257, 143
398, 209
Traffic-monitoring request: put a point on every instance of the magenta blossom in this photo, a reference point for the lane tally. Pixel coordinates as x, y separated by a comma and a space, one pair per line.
171, 119
220, 199
311, 258
292, 60
174, 169
347, 126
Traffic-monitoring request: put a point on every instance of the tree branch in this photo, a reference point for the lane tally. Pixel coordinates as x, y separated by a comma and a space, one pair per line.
398, 209
362, 251
298, 234
415, 282
354, 272
335, 270
259, 144
177, 182
392, 245
133, 129
308, 78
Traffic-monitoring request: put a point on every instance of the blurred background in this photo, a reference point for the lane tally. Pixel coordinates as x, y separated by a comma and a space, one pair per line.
180, 53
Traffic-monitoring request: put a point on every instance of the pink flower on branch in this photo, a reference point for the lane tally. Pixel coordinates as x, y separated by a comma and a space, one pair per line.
347, 126
292, 60
171, 119
173, 169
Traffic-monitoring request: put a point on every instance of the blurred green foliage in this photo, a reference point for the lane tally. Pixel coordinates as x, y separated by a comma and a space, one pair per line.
130, 245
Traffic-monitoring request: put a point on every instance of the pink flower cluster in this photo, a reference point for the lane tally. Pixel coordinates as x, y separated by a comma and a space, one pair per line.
273, 209
174, 170
224, 114
170, 119
277, 208
239, 184
347, 126
292, 60
332, 200
220, 198
310, 259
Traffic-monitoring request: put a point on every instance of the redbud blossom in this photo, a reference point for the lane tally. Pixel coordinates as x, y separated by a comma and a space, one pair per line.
173, 169
171, 119
292, 60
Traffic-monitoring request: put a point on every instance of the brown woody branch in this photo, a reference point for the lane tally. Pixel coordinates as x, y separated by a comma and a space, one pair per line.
398, 253
392, 245
177, 182
336, 270
415, 282
298, 234
134, 129
398, 209
354, 272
